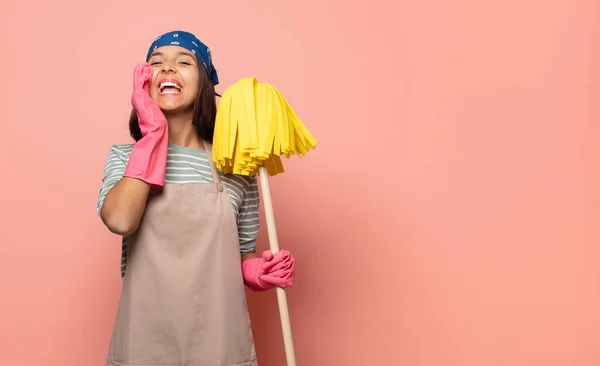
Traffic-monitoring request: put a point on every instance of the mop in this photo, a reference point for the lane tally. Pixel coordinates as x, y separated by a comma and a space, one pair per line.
254, 127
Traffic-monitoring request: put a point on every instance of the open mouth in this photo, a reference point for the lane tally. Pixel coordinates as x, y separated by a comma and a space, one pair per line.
169, 87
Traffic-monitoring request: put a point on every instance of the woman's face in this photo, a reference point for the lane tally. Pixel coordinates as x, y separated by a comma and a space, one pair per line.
175, 81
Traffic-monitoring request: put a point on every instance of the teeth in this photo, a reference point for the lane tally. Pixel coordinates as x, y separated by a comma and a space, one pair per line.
168, 83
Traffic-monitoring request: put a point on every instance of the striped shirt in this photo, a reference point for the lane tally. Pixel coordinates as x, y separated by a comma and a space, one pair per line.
188, 165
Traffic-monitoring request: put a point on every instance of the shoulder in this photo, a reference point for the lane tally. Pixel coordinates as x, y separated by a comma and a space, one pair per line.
118, 156
121, 150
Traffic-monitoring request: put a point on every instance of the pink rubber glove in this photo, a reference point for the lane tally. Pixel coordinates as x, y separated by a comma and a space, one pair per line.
270, 271
148, 159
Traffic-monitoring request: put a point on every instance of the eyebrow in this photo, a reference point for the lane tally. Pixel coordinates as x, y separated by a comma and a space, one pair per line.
181, 53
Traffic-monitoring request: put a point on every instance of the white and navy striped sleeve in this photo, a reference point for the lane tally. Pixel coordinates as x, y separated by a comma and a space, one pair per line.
114, 168
248, 219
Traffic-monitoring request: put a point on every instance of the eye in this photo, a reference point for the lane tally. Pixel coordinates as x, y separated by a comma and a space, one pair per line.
155, 63
185, 63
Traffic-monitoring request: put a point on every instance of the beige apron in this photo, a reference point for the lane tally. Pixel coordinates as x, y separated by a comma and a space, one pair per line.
183, 301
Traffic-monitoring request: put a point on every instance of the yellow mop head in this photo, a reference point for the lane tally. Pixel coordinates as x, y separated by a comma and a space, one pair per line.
254, 126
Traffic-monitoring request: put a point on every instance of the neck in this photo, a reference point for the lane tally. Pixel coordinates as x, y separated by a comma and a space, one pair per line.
182, 132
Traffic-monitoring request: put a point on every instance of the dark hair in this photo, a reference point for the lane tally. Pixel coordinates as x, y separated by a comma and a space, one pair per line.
205, 110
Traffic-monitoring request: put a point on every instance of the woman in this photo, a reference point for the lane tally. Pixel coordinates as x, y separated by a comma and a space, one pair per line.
189, 231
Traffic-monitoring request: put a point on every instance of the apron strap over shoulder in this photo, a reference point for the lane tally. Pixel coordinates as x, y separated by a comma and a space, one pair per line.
213, 167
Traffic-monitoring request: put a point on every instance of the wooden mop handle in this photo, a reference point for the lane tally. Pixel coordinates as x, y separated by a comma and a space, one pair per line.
274, 245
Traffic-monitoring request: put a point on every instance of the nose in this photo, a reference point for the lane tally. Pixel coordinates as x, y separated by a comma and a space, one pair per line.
168, 66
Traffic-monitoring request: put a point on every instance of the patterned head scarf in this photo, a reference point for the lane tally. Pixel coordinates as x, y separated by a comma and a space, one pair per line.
191, 43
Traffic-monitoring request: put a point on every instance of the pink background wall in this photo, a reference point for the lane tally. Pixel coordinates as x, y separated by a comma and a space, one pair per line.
448, 217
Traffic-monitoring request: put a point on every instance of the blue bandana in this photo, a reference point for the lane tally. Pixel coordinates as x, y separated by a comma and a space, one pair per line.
191, 43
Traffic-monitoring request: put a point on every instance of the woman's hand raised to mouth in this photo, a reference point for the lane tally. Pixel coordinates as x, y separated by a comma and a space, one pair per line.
150, 117
125, 203
148, 159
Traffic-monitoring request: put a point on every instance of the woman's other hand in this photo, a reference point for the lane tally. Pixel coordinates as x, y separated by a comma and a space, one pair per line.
269, 271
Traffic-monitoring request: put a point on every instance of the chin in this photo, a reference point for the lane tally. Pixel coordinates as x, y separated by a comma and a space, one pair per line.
173, 109
169, 108
169, 105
